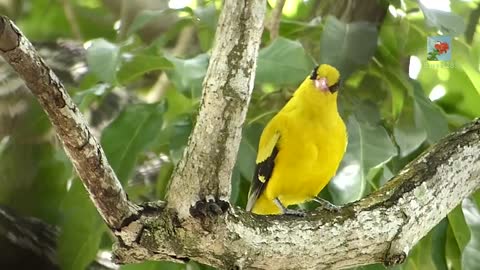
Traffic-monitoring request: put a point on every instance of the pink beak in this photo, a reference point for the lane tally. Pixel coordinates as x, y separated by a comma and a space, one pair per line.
322, 84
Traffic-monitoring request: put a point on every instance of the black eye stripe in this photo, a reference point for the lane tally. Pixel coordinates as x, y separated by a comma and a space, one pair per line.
314, 74
334, 87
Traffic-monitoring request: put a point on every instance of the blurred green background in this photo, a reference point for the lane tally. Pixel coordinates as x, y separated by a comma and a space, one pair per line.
136, 68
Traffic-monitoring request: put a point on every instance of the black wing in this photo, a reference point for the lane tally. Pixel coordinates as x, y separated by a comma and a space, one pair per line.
263, 173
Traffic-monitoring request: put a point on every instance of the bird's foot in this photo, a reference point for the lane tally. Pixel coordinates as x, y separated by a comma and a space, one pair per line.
296, 213
327, 205
289, 212
211, 207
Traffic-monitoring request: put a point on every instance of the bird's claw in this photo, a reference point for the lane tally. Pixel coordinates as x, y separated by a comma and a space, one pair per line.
296, 213
327, 205
209, 208
332, 208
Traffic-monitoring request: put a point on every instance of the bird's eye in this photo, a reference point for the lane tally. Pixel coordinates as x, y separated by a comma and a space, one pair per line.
334, 88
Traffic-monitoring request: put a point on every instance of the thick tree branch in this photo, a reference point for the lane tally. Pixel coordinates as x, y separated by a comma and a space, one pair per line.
79, 143
382, 227
205, 169
379, 228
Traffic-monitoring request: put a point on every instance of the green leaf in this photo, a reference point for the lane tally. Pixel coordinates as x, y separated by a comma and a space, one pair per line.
246, 158
409, 133
33, 170
347, 46
471, 253
248, 150
163, 180
452, 251
236, 185
187, 74
129, 135
392, 39
179, 131
103, 58
463, 52
460, 230
417, 259
144, 17
429, 115
137, 65
284, 62
42, 15
369, 146
206, 24
82, 229
85, 97
371, 267
295, 29
447, 22
439, 240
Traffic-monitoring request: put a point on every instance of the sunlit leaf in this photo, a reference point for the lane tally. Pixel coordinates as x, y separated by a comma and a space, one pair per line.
447, 22
369, 146
468, 63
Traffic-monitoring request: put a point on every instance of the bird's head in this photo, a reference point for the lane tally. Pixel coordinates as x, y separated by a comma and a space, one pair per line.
326, 78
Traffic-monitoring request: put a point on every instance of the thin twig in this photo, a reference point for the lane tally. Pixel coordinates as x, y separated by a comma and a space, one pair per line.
275, 19
183, 44
80, 145
72, 19
124, 20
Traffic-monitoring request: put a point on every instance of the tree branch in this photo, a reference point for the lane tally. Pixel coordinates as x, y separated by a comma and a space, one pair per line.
80, 145
379, 228
382, 227
205, 169
275, 18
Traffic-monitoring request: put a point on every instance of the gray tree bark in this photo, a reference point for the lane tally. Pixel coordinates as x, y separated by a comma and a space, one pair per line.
382, 227
212, 149
196, 221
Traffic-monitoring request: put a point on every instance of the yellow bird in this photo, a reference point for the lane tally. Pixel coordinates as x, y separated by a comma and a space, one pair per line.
300, 148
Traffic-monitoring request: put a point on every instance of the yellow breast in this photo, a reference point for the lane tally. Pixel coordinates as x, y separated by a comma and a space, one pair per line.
311, 146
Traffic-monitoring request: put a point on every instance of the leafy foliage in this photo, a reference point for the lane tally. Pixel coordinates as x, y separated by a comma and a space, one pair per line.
391, 99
